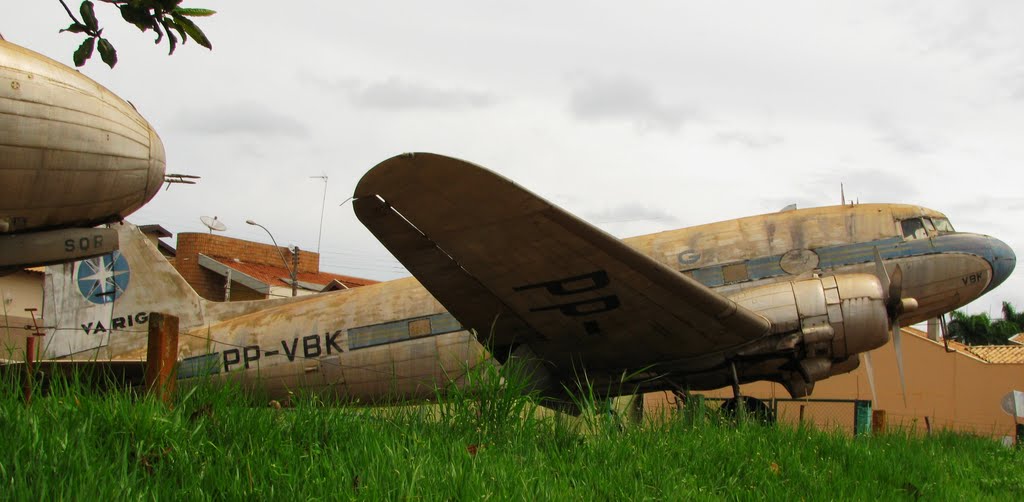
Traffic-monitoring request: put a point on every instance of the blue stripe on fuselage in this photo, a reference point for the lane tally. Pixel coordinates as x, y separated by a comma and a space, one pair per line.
831, 257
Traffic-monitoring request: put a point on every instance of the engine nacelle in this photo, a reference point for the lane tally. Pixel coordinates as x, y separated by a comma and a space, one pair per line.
834, 318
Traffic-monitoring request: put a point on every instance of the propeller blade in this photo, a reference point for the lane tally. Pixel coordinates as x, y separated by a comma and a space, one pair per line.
883, 276
896, 287
866, 357
898, 345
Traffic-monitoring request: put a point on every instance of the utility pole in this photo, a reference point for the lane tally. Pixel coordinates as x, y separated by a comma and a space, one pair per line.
295, 271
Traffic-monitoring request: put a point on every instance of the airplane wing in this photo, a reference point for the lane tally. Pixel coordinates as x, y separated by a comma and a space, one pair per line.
520, 270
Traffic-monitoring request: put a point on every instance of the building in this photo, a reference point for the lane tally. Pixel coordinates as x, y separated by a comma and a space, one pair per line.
223, 268
19, 291
957, 388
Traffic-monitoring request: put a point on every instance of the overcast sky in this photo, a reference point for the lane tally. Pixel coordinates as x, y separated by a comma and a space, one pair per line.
638, 116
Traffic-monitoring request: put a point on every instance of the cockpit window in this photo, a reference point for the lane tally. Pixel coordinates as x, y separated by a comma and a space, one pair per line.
914, 229
942, 225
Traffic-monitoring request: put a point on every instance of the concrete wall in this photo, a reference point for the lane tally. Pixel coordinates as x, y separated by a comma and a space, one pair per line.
954, 390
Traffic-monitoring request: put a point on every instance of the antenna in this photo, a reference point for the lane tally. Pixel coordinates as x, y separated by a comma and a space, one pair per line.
213, 223
322, 204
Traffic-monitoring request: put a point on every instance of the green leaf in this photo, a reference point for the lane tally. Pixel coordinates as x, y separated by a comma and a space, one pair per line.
171, 23
168, 5
75, 28
171, 39
84, 51
138, 16
192, 30
88, 16
190, 12
159, 32
107, 52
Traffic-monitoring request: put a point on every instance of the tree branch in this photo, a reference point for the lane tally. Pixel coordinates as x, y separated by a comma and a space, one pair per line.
73, 18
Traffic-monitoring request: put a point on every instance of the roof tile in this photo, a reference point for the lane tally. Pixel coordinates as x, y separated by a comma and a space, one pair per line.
277, 276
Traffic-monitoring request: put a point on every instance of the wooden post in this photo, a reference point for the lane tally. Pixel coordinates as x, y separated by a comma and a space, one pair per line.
802, 414
161, 355
30, 352
877, 421
30, 355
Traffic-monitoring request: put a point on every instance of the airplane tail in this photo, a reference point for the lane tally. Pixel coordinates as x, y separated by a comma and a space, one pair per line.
99, 308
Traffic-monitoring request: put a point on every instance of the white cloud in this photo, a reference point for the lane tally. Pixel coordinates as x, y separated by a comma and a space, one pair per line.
248, 118
622, 98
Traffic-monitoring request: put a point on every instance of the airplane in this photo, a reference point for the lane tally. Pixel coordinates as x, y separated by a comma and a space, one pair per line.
792, 297
73, 156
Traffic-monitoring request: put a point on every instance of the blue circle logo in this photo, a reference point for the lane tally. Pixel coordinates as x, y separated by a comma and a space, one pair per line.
103, 279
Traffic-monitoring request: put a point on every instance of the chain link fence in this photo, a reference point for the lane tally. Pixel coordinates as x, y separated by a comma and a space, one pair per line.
852, 416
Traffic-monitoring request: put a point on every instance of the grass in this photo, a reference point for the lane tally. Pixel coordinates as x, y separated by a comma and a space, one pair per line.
488, 442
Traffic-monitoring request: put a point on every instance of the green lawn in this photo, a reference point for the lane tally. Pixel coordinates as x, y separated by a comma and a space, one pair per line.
214, 443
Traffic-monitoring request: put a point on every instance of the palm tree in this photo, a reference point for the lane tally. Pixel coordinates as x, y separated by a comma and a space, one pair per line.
979, 329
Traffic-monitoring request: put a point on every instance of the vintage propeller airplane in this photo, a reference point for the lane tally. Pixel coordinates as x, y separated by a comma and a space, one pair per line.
72, 156
792, 297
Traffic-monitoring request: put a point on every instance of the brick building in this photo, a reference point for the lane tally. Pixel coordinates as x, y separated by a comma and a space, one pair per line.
223, 268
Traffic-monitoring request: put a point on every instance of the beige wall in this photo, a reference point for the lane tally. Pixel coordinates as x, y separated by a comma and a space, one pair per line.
954, 390
18, 291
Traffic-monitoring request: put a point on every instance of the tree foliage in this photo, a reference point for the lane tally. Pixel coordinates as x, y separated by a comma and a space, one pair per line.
164, 17
980, 329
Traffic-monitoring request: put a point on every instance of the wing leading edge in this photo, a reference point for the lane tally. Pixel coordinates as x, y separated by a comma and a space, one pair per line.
520, 270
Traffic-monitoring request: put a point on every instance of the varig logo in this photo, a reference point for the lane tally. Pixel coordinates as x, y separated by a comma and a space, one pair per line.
103, 279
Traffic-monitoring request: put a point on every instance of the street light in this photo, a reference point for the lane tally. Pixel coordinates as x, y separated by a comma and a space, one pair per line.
293, 270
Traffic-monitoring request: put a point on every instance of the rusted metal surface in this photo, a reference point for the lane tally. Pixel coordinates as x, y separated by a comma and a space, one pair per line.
878, 420
161, 355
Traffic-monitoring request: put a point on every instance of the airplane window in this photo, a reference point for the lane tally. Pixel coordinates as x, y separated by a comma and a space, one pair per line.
928, 225
914, 229
942, 225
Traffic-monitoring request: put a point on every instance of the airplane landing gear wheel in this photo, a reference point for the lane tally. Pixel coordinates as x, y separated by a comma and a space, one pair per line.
754, 408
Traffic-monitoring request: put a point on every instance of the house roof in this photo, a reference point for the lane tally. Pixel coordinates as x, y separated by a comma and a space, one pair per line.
993, 354
1018, 338
999, 354
279, 276
157, 230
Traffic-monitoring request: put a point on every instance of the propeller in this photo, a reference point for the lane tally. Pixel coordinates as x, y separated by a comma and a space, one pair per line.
866, 358
895, 305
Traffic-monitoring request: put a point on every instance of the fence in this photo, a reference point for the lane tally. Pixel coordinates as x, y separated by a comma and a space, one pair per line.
853, 416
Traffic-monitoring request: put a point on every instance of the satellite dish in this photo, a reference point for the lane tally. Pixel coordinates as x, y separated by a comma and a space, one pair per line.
213, 224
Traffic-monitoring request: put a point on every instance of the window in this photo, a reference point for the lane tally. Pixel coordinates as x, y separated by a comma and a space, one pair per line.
942, 225
419, 327
914, 229
737, 272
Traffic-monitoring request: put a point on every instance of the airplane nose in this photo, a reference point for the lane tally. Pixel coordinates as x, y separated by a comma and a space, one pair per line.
1002, 260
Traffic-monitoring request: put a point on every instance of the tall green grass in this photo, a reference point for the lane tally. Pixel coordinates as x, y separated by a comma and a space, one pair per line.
487, 440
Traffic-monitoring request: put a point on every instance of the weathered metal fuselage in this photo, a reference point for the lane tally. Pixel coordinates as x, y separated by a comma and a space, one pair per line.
751, 258
72, 154
809, 272
943, 269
